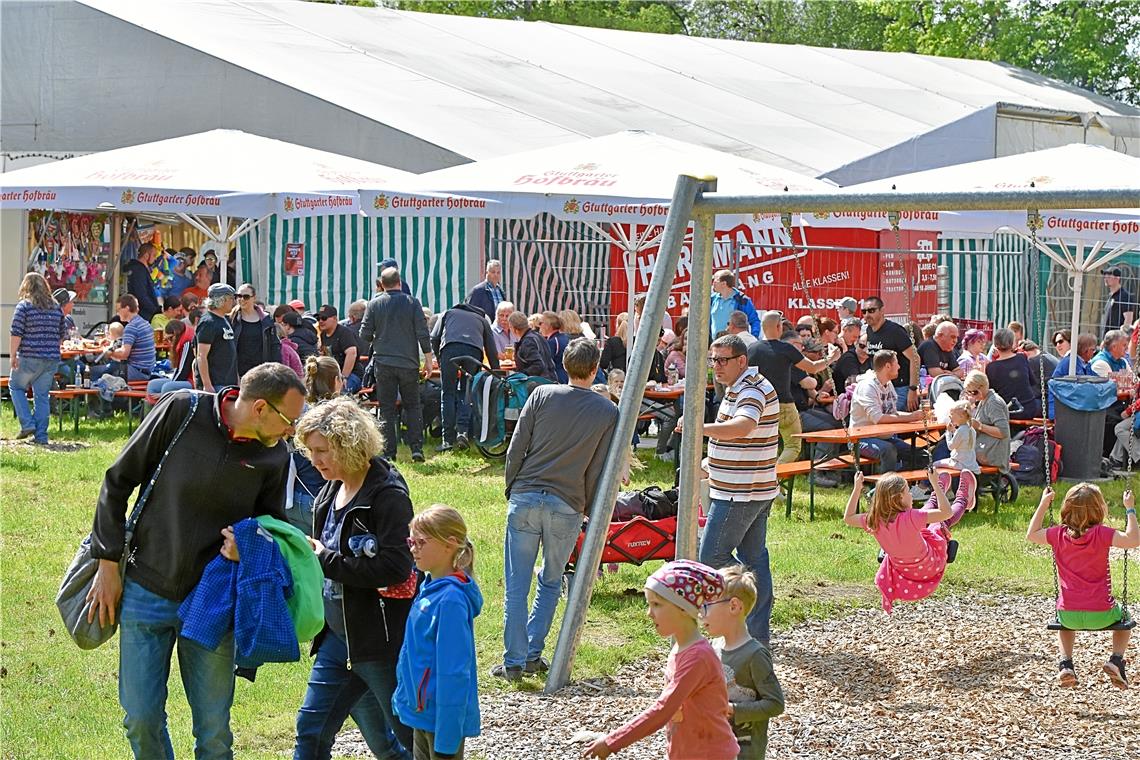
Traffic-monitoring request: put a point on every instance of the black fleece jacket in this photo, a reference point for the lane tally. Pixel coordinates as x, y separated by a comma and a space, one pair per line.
207, 483
382, 510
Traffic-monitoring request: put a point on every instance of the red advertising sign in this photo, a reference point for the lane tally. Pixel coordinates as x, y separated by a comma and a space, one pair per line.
295, 259
776, 272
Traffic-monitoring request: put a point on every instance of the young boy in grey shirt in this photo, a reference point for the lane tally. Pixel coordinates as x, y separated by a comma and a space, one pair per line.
754, 694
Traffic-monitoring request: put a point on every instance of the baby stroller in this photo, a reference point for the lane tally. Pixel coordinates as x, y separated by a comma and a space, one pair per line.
496, 398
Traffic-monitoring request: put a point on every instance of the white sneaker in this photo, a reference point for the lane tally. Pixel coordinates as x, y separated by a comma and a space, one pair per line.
918, 492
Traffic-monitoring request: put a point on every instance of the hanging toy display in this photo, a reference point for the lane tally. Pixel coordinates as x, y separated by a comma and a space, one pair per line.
69, 250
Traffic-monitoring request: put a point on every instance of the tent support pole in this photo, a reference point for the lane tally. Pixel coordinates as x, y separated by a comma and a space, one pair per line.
1075, 323
602, 501
223, 238
197, 224
116, 260
695, 374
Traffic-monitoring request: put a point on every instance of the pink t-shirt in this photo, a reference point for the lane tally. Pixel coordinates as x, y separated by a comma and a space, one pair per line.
901, 538
693, 708
1082, 567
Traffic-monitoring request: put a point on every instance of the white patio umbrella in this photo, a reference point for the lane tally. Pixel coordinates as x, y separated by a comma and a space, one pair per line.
1070, 167
222, 174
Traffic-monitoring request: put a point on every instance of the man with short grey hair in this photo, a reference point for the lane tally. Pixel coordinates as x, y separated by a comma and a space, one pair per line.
504, 339
846, 308
554, 463
488, 294
738, 326
395, 327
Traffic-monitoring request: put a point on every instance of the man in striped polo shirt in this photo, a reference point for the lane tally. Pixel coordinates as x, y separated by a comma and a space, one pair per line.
741, 467
137, 351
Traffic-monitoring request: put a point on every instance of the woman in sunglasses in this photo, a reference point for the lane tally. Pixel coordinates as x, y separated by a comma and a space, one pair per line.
360, 534
989, 417
255, 335
1062, 341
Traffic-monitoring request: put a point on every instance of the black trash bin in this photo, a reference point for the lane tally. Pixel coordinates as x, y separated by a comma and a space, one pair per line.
1079, 431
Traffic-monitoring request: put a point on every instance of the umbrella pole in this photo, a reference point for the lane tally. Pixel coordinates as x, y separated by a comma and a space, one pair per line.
1075, 323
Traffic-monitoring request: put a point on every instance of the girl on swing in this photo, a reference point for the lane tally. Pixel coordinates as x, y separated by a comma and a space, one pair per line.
914, 541
1080, 547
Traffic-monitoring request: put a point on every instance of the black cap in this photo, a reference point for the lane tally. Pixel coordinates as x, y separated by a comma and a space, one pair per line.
291, 318
1114, 271
326, 311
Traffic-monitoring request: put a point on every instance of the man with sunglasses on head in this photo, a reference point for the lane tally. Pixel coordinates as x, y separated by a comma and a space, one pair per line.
216, 349
885, 335
228, 464
741, 468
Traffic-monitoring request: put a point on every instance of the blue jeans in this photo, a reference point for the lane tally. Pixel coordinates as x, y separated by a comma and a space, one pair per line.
352, 383
891, 452
455, 407
534, 518
902, 391
148, 633
36, 374
161, 385
742, 527
128, 372
335, 692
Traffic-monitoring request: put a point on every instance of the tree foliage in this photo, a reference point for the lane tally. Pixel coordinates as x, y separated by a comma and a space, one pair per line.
1093, 44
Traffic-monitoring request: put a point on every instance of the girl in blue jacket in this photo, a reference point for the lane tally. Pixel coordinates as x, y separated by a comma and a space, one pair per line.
437, 692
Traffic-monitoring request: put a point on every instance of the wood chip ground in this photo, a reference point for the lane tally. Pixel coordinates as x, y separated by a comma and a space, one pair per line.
964, 677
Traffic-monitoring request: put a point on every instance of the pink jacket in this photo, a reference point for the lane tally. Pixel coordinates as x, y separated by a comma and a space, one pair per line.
290, 358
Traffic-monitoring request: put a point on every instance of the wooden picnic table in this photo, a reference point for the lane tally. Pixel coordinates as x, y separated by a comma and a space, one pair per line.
843, 437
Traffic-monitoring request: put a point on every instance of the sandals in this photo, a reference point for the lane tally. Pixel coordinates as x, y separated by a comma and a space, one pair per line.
1114, 668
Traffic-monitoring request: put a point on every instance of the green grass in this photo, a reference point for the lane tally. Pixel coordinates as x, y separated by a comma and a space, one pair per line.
59, 702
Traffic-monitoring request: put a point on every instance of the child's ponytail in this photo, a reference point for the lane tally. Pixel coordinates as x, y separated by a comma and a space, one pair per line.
445, 524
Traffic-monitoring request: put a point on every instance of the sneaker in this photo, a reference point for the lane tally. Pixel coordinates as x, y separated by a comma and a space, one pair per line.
827, 480
536, 666
1115, 670
445, 446
881, 556
25, 433
461, 442
944, 480
417, 456
1067, 677
512, 673
968, 489
918, 492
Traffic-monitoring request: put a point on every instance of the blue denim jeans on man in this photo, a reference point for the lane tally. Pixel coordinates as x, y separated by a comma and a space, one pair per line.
892, 452
36, 374
742, 527
149, 627
335, 692
534, 518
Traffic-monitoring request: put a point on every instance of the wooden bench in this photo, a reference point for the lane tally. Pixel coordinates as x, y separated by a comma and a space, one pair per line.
71, 394
990, 480
786, 475
130, 394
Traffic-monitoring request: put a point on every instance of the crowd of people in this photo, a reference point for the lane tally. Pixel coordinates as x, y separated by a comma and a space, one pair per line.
288, 439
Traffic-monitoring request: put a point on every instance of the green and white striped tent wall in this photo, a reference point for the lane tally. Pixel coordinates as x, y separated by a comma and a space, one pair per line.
342, 255
989, 287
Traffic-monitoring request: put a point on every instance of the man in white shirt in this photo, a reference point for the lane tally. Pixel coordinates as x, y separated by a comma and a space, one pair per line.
875, 402
501, 329
738, 326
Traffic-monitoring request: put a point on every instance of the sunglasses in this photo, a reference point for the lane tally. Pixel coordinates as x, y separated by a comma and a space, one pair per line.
286, 420
415, 543
245, 296
1059, 341
720, 361
870, 309
972, 392
861, 345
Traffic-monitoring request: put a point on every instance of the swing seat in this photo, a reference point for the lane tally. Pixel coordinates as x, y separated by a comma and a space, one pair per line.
1127, 624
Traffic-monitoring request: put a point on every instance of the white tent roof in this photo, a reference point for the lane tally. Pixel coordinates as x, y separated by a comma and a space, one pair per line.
1070, 167
423, 91
624, 177
222, 172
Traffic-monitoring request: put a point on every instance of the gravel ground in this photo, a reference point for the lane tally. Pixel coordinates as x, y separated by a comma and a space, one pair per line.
964, 676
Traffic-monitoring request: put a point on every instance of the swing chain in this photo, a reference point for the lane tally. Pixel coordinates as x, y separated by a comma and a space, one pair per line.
894, 217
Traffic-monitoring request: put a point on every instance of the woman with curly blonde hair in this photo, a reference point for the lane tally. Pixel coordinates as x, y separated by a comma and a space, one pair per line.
360, 536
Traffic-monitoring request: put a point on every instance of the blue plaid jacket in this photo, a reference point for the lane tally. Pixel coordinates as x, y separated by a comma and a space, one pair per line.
246, 597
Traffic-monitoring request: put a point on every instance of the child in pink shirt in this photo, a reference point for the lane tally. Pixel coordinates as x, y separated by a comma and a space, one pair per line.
693, 708
914, 541
1080, 547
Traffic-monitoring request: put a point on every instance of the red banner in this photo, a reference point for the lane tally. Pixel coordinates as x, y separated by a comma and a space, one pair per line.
777, 273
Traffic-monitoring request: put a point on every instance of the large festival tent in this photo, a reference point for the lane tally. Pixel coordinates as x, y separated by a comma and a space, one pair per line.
372, 83
1065, 245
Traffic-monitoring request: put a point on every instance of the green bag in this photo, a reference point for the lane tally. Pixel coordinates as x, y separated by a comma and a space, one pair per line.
306, 606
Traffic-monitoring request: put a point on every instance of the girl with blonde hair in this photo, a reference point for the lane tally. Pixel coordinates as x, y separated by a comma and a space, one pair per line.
915, 542
437, 692
1080, 546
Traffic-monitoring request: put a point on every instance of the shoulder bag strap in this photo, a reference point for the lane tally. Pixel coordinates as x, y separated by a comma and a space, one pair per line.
133, 520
